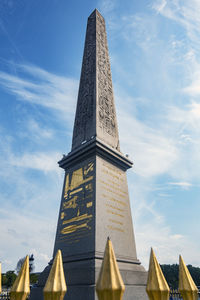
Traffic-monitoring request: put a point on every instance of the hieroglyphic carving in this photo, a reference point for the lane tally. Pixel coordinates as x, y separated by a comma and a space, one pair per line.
106, 109
85, 105
95, 106
77, 210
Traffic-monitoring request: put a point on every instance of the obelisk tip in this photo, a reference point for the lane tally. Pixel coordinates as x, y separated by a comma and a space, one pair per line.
95, 12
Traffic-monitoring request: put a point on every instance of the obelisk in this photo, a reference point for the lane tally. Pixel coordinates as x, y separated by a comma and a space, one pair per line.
95, 201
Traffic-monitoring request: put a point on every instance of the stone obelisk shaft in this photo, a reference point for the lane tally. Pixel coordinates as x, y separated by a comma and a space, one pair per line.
95, 112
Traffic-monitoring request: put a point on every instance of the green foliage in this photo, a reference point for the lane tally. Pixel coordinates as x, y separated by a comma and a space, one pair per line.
171, 274
195, 273
34, 278
8, 278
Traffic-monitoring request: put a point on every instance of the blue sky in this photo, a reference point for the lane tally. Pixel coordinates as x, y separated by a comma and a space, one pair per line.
155, 62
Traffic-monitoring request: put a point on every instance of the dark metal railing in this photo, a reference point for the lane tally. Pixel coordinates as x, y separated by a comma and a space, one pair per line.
5, 296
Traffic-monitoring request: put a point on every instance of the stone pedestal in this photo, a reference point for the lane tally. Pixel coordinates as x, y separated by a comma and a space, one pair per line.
81, 277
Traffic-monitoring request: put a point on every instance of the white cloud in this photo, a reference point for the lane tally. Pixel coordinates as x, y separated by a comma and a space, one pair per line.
185, 13
194, 88
166, 245
160, 5
40, 161
184, 185
20, 230
37, 131
106, 6
154, 229
140, 29
29, 204
153, 153
165, 150
186, 118
159, 143
184, 128
28, 168
35, 85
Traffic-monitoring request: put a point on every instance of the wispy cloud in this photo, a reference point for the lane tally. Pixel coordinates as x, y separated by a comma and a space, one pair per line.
20, 231
152, 226
185, 13
193, 88
167, 245
107, 6
37, 131
163, 145
184, 185
164, 150
186, 118
30, 183
35, 85
36, 160
39, 161
152, 151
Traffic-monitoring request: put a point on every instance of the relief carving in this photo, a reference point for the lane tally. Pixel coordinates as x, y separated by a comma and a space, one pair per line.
106, 114
95, 74
84, 112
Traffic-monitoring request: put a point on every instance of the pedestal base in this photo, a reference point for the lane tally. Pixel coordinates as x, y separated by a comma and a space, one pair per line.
81, 277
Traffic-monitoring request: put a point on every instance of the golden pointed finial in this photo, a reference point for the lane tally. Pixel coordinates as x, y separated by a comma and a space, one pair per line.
187, 287
109, 284
157, 287
21, 287
0, 279
55, 287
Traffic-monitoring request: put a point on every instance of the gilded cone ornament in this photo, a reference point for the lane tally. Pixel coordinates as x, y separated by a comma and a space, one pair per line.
157, 287
55, 287
109, 285
21, 287
187, 287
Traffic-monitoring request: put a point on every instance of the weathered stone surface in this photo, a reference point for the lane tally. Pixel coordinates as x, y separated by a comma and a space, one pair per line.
95, 112
95, 201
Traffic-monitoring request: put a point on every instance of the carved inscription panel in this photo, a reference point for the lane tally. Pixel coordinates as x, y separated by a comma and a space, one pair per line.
76, 218
106, 108
114, 215
84, 125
